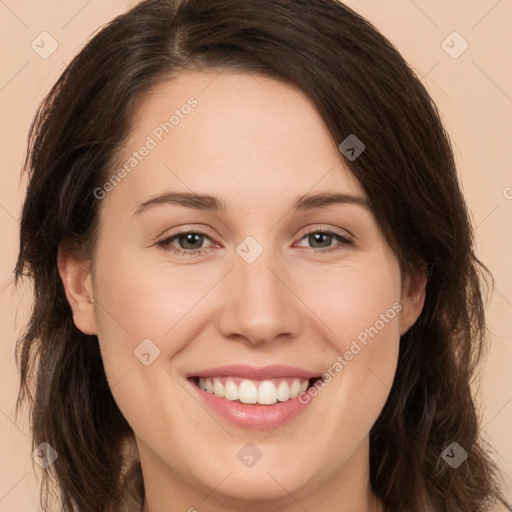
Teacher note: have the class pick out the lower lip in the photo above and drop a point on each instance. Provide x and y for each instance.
(260, 417)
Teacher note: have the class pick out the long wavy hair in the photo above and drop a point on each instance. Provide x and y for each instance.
(360, 85)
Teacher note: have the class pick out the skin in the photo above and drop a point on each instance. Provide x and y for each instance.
(258, 144)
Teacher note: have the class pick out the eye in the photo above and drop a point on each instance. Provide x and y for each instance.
(322, 240)
(189, 243)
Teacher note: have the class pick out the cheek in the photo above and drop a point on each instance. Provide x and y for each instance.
(360, 304)
(359, 301)
(145, 317)
(150, 301)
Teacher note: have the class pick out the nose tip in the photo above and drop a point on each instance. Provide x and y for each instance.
(259, 307)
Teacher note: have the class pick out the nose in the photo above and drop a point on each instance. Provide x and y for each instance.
(259, 306)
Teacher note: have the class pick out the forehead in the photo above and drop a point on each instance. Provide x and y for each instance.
(225, 132)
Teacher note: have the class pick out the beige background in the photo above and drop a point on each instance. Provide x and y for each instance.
(474, 95)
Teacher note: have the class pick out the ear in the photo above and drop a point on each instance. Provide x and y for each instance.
(75, 274)
(412, 300)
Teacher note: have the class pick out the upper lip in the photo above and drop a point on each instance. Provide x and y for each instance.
(254, 373)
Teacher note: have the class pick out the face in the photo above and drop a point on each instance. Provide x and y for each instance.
(237, 263)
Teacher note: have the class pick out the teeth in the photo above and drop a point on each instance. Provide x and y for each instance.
(218, 388)
(231, 390)
(248, 392)
(283, 391)
(294, 389)
(267, 393)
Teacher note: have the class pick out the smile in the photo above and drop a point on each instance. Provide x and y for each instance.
(246, 391)
(257, 398)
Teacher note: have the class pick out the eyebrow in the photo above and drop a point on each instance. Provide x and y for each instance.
(216, 204)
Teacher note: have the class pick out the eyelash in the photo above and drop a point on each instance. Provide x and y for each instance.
(165, 244)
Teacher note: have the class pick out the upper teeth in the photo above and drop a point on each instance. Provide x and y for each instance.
(251, 392)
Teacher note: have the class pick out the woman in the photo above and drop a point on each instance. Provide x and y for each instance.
(255, 283)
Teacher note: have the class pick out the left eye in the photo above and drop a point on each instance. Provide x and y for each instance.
(316, 239)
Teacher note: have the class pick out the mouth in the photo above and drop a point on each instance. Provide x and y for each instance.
(258, 398)
(249, 391)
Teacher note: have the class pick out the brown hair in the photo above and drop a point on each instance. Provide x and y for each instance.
(360, 85)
